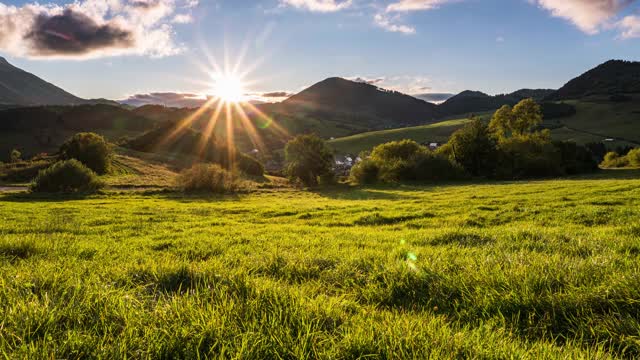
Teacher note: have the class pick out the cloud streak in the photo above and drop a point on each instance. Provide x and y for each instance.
(416, 5)
(324, 6)
(92, 28)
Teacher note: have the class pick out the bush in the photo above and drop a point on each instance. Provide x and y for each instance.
(308, 157)
(66, 176)
(249, 165)
(528, 157)
(615, 160)
(365, 172)
(90, 149)
(406, 160)
(634, 157)
(208, 178)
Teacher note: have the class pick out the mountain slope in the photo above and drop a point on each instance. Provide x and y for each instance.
(376, 107)
(468, 102)
(611, 78)
(18, 87)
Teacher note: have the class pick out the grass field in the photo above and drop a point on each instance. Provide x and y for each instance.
(594, 121)
(438, 132)
(544, 269)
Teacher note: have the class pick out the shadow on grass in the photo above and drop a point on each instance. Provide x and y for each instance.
(46, 197)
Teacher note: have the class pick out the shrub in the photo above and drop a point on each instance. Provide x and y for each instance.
(307, 158)
(406, 160)
(633, 157)
(90, 149)
(208, 178)
(249, 165)
(365, 172)
(528, 157)
(614, 160)
(66, 176)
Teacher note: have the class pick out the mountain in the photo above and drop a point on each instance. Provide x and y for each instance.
(468, 102)
(20, 88)
(375, 107)
(614, 77)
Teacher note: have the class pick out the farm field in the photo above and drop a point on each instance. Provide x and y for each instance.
(540, 269)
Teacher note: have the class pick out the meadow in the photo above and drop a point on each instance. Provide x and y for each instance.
(595, 120)
(539, 269)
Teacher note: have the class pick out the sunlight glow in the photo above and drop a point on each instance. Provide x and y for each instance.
(228, 116)
(229, 88)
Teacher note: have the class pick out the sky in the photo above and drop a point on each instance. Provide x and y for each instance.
(120, 48)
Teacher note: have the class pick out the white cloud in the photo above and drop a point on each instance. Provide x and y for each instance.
(388, 24)
(182, 19)
(590, 16)
(415, 5)
(630, 27)
(91, 28)
(318, 5)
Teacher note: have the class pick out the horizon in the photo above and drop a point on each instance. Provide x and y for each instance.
(173, 46)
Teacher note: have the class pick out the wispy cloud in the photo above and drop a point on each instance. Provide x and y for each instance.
(590, 16)
(416, 5)
(318, 5)
(92, 28)
(387, 23)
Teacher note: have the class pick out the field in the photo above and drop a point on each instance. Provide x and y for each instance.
(438, 132)
(542, 269)
(594, 121)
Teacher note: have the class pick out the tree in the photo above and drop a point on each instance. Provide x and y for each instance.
(473, 148)
(15, 156)
(520, 120)
(89, 148)
(307, 158)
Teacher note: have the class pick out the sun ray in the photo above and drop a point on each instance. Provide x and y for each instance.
(231, 146)
(254, 137)
(210, 129)
(183, 124)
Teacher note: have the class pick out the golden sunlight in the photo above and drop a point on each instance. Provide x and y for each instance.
(229, 88)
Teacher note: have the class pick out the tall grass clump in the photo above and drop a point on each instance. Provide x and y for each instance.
(208, 178)
(67, 176)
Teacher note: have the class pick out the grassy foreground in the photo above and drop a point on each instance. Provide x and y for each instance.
(546, 269)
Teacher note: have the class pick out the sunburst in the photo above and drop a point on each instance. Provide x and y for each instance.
(228, 102)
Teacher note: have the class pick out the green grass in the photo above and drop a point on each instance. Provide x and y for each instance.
(597, 120)
(542, 269)
(594, 121)
(438, 132)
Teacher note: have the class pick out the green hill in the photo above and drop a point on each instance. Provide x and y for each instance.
(33, 130)
(616, 124)
(438, 132)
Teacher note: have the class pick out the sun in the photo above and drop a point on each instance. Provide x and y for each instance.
(229, 88)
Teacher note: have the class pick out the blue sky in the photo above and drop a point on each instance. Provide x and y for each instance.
(415, 46)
